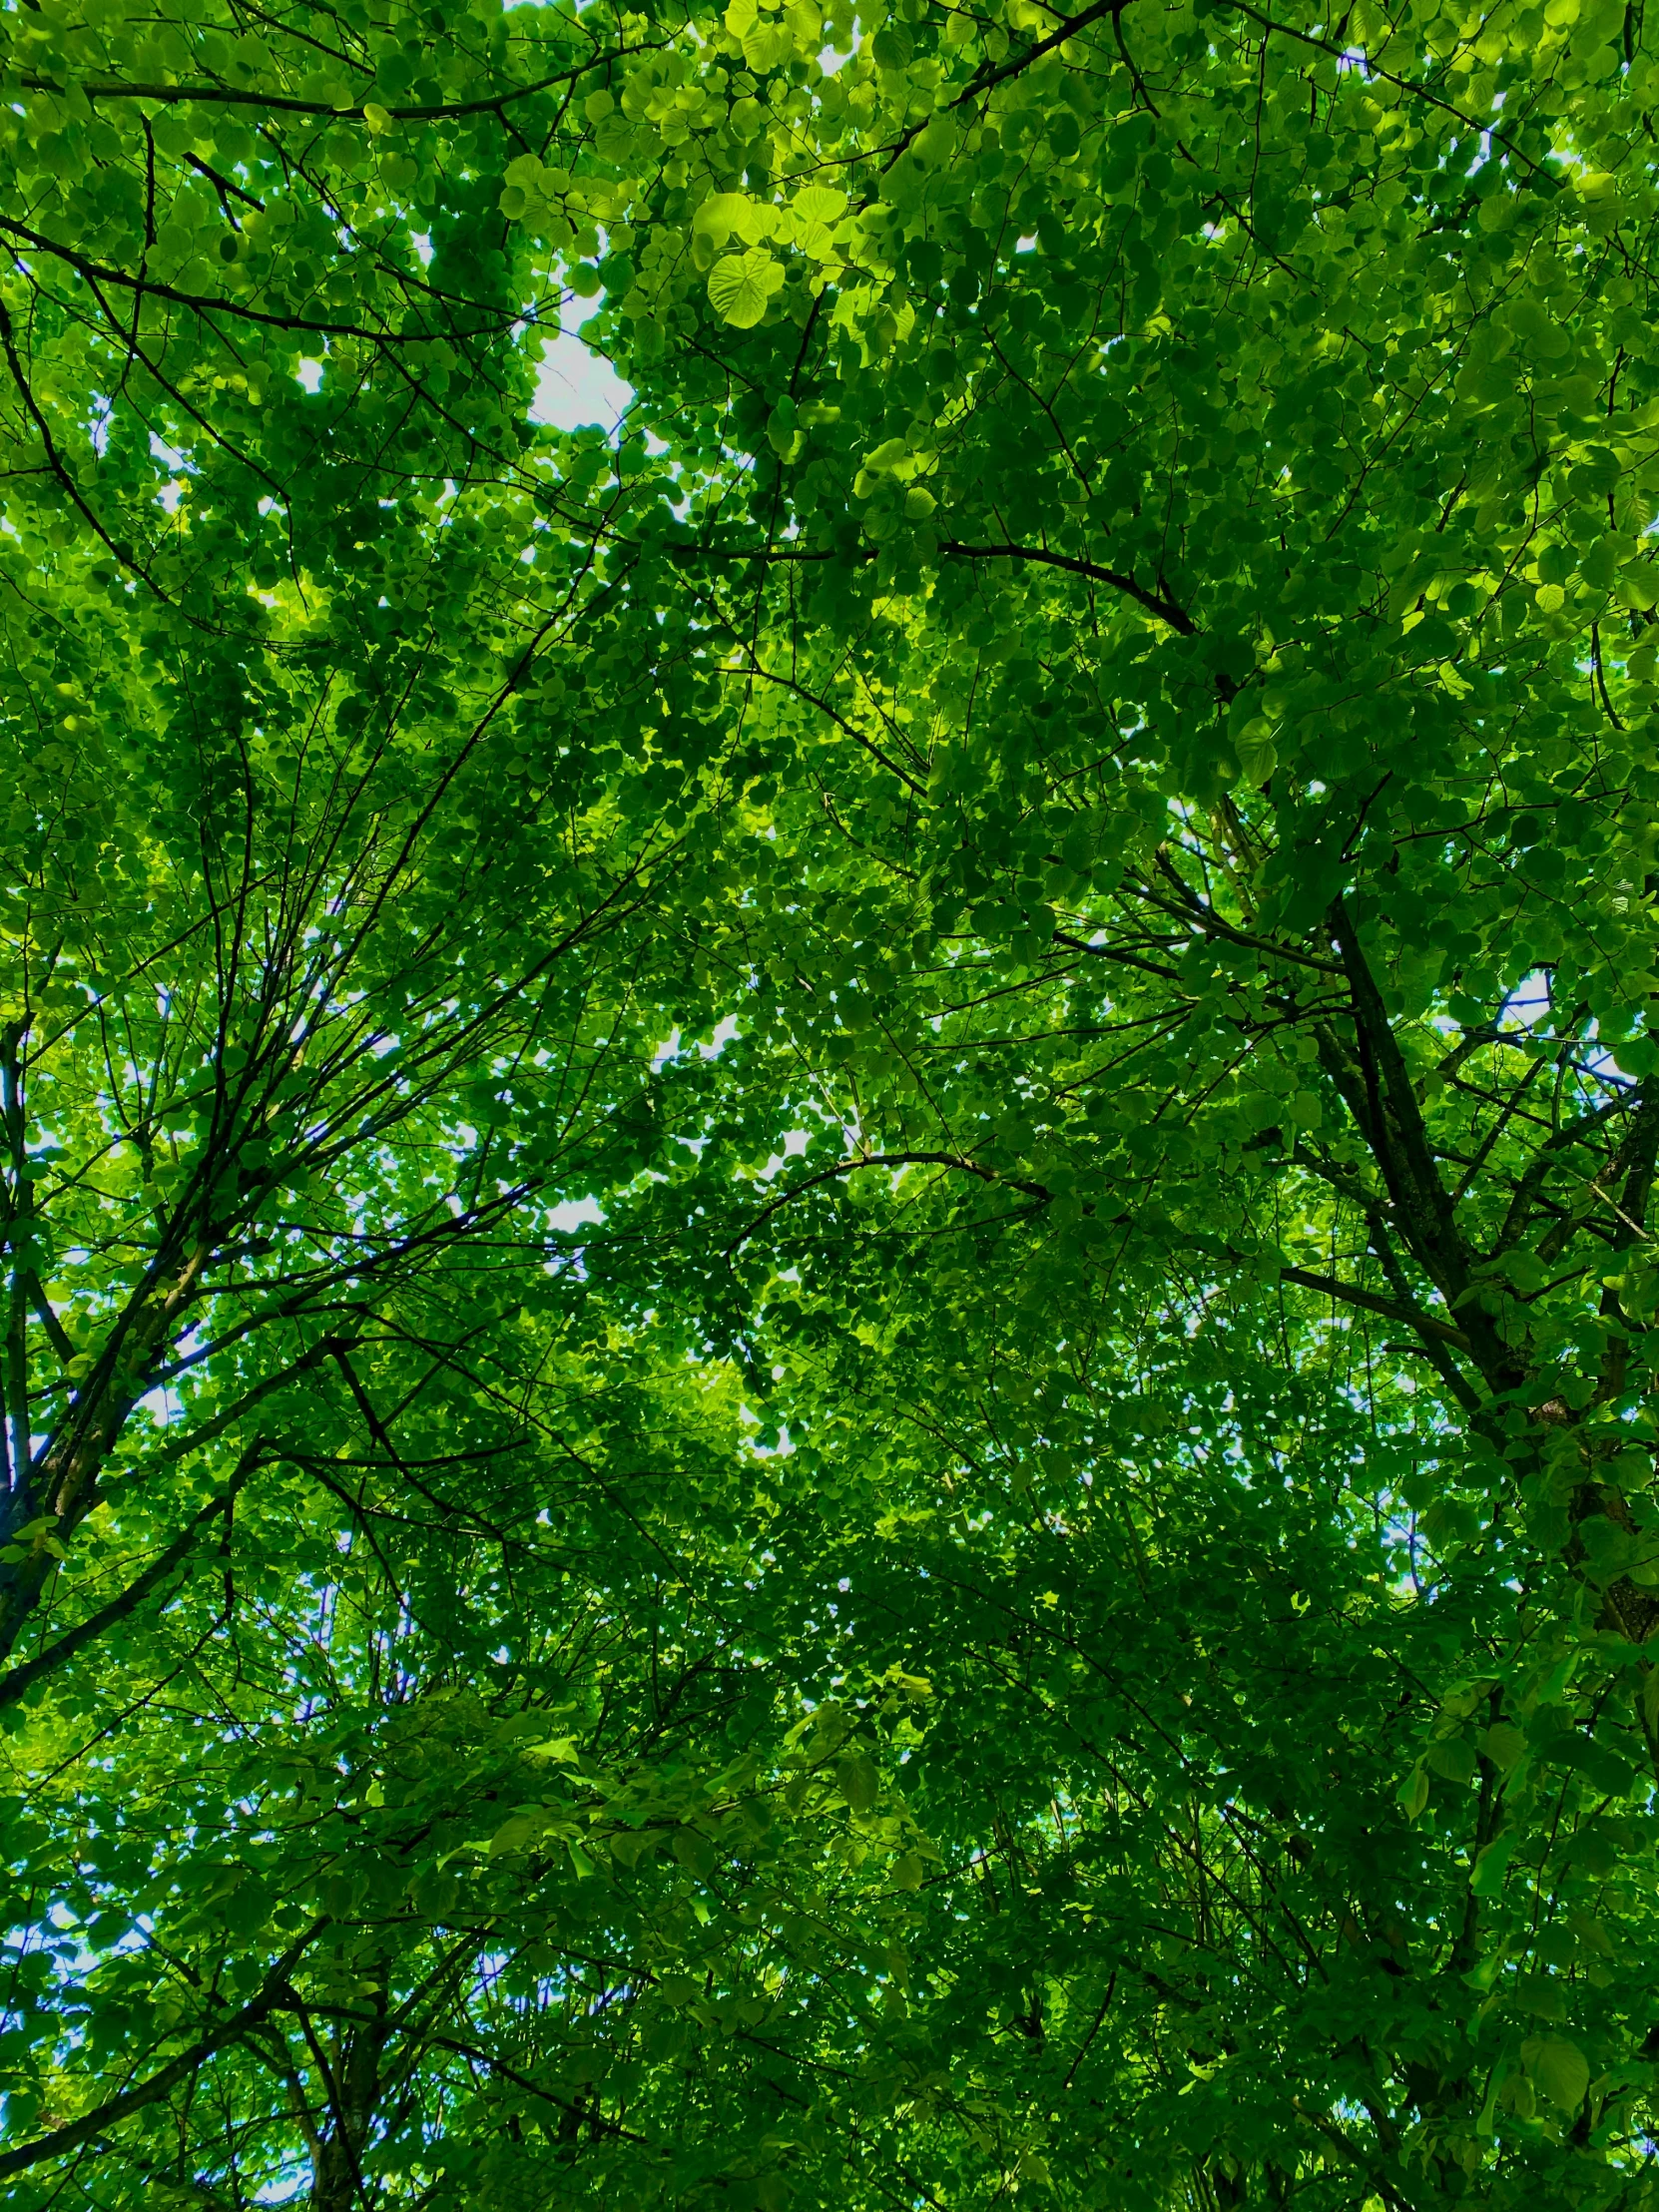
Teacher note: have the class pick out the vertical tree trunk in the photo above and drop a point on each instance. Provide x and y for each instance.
(351, 2087)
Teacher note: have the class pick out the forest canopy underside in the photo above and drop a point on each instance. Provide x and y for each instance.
(830, 1307)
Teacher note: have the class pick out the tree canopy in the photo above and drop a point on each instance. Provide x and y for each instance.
(829, 1309)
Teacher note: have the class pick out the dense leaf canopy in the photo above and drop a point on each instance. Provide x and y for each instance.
(828, 1328)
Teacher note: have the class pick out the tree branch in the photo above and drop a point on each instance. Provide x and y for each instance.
(18, 1681)
(93, 2124)
(205, 304)
(1393, 1128)
(880, 1160)
(284, 104)
(1154, 602)
(986, 78)
(1332, 1287)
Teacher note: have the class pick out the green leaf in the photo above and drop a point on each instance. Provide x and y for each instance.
(1257, 755)
(768, 42)
(740, 285)
(819, 204)
(892, 45)
(1487, 1878)
(855, 1778)
(1559, 2068)
(693, 1852)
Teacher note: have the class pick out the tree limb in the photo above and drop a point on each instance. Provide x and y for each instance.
(18, 1681)
(91, 2126)
(880, 1160)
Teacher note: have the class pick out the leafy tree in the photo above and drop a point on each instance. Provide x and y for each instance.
(1054, 1595)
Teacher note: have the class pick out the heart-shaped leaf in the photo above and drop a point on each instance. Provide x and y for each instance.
(741, 284)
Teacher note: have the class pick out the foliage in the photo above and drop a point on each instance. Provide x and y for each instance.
(830, 1313)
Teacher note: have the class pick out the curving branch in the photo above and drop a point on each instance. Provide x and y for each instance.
(114, 88)
(1155, 603)
(208, 303)
(1332, 1286)
(881, 1160)
(20, 1680)
(55, 460)
(986, 78)
(96, 2124)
